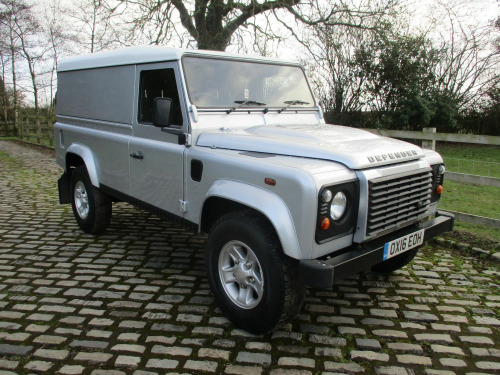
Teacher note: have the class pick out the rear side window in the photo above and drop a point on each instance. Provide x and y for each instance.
(159, 83)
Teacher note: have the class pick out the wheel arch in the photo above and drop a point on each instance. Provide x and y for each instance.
(77, 155)
(227, 196)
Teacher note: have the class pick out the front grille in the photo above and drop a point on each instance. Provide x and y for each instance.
(397, 201)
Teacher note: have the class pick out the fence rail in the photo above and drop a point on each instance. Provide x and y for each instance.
(472, 179)
(473, 219)
(442, 137)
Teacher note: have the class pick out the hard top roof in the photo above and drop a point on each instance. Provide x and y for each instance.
(144, 55)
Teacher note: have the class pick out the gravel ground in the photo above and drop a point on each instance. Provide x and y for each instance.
(136, 301)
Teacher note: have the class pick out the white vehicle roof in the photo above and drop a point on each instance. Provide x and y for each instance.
(147, 54)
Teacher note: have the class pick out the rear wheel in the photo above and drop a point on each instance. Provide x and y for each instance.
(395, 263)
(91, 207)
(254, 284)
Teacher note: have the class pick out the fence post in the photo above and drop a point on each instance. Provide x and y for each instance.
(50, 130)
(20, 127)
(38, 130)
(429, 144)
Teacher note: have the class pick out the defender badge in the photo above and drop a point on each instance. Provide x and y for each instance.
(392, 156)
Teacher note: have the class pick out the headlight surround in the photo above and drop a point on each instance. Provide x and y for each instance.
(438, 171)
(338, 204)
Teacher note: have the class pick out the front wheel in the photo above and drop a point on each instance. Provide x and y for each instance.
(254, 284)
(91, 207)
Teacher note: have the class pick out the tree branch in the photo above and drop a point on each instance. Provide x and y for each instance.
(186, 19)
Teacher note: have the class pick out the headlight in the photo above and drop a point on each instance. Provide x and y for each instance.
(326, 196)
(339, 205)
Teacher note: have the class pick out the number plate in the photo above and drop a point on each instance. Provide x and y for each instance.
(402, 244)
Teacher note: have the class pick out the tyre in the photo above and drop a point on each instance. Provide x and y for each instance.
(253, 282)
(395, 263)
(91, 207)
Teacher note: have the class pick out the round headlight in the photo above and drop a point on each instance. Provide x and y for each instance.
(326, 196)
(339, 205)
(441, 169)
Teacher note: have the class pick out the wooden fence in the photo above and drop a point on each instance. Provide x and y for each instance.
(7, 129)
(429, 137)
(40, 130)
(36, 129)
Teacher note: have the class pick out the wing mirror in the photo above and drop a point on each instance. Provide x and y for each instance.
(162, 112)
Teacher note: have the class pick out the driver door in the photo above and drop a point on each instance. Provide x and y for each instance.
(156, 158)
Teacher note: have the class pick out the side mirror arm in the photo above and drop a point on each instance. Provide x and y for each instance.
(183, 138)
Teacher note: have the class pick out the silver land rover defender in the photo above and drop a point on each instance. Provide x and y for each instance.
(236, 146)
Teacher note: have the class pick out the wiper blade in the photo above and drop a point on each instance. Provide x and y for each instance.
(248, 102)
(245, 102)
(290, 103)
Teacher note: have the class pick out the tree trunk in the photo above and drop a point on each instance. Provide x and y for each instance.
(14, 83)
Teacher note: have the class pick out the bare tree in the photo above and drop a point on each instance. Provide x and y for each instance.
(468, 61)
(93, 25)
(4, 97)
(331, 48)
(211, 24)
(57, 40)
(10, 11)
(28, 31)
(21, 36)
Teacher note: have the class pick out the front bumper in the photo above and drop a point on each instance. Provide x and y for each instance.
(317, 273)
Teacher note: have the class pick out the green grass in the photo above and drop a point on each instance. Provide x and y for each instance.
(471, 199)
(478, 200)
(469, 151)
(480, 160)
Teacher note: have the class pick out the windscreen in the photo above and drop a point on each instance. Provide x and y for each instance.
(229, 83)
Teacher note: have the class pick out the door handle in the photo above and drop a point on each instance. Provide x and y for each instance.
(137, 155)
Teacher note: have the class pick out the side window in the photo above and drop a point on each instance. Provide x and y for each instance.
(154, 84)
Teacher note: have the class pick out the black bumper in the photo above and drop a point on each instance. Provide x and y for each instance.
(316, 273)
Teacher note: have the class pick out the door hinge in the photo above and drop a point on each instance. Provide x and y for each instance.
(182, 206)
(188, 140)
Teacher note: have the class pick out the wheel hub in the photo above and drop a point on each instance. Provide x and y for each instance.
(81, 200)
(244, 274)
(241, 274)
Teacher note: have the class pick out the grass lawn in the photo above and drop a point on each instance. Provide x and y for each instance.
(468, 198)
(475, 200)
(472, 199)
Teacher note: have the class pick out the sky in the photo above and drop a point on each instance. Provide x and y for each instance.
(422, 13)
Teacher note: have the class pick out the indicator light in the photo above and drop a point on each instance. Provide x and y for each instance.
(270, 181)
(325, 223)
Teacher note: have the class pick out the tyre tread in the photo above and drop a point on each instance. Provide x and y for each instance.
(291, 291)
(100, 215)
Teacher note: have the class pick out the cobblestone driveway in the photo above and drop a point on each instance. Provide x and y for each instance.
(136, 301)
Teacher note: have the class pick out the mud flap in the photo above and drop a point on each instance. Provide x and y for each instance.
(64, 189)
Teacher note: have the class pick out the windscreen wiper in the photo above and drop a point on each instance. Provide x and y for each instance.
(245, 102)
(292, 102)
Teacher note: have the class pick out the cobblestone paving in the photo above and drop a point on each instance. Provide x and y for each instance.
(136, 301)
